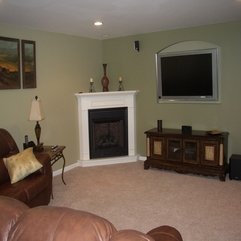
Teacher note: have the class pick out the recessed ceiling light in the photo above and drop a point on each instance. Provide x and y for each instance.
(98, 23)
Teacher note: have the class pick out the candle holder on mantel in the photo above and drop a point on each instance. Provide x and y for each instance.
(121, 87)
(105, 80)
(92, 88)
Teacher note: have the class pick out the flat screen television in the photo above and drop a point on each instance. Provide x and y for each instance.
(187, 76)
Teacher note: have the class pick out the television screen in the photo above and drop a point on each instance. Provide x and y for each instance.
(189, 75)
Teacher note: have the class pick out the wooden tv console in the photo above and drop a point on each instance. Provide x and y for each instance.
(199, 152)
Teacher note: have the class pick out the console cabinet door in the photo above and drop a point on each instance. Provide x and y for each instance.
(157, 147)
(199, 152)
(191, 151)
(210, 153)
(174, 149)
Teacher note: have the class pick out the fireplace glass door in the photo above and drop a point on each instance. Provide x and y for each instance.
(108, 132)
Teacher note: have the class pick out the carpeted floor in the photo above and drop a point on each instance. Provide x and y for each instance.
(201, 208)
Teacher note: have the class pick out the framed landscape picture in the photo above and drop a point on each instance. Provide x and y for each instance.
(9, 63)
(28, 64)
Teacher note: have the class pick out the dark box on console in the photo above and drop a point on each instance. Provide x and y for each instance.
(186, 130)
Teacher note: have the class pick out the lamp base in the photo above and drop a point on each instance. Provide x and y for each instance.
(39, 148)
(37, 132)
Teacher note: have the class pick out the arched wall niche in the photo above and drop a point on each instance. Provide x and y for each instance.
(189, 45)
(184, 47)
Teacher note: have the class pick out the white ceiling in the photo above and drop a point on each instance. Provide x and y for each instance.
(119, 17)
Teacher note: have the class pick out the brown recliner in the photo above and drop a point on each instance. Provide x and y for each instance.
(45, 223)
(35, 189)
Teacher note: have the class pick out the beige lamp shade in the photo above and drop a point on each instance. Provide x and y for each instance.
(36, 111)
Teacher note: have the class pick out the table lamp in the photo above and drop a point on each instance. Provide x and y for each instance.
(36, 114)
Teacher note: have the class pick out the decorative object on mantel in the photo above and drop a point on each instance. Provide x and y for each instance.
(36, 114)
(92, 88)
(121, 87)
(105, 80)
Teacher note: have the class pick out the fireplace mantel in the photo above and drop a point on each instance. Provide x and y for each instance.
(97, 100)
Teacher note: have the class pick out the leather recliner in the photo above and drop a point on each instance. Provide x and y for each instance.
(46, 223)
(33, 190)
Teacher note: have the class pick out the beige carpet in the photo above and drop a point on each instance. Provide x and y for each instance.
(201, 208)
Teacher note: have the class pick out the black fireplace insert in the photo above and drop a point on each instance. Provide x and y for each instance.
(108, 132)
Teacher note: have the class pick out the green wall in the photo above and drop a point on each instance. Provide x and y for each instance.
(64, 67)
(66, 63)
(138, 71)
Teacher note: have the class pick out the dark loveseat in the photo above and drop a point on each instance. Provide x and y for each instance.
(33, 190)
(45, 223)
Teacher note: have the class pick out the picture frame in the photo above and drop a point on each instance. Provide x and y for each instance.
(9, 63)
(28, 64)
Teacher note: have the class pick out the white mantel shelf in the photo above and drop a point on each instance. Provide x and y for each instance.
(98, 100)
(108, 93)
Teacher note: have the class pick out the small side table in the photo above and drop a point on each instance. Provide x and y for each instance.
(56, 153)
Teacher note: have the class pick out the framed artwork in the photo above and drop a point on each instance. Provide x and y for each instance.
(9, 63)
(28, 64)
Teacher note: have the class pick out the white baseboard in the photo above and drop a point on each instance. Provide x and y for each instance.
(108, 161)
(100, 162)
(142, 158)
(67, 168)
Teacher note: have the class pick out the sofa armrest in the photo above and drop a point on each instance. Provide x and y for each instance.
(165, 233)
(11, 210)
(130, 235)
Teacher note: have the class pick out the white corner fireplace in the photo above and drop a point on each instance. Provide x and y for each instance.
(107, 127)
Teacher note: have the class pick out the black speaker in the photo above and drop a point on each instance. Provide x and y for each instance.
(137, 45)
(235, 167)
